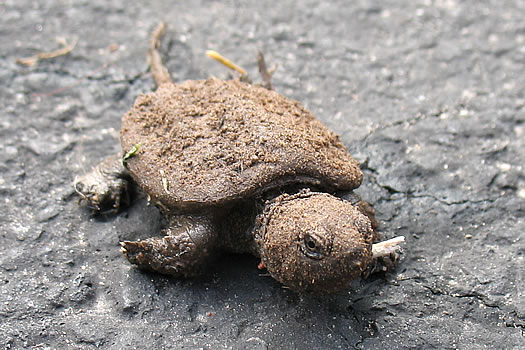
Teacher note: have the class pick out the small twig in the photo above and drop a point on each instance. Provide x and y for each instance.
(220, 58)
(387, 247)
(31, 61)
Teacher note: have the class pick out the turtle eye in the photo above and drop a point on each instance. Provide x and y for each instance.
(310, 243)
(311, 247)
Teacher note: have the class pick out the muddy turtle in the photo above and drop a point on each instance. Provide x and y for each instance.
(238, 167)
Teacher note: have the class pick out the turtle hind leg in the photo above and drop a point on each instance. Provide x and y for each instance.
(104, 186)
(186, 247)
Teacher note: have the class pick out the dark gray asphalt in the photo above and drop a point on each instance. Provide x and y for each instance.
(428, 95)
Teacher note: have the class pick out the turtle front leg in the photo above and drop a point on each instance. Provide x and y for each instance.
(187, 245)
(104, 186)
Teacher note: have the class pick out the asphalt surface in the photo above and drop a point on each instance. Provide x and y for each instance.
(428, 95)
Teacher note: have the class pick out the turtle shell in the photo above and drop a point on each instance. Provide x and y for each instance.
(211, 142)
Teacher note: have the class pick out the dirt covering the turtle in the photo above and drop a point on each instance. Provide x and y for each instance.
(211, 141)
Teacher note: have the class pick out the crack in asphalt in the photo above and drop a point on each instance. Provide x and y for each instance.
(409, 195)
(90, 76)
(515, 324)
(478, 296)
(459, 202)
(409, 121)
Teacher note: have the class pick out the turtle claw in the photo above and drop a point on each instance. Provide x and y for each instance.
(134, 251)
(382, 265)
(123, 247)
(149, 254)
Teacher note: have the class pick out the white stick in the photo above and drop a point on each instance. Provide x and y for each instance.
(387, 247)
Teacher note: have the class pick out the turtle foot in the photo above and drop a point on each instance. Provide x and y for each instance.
(106, 186)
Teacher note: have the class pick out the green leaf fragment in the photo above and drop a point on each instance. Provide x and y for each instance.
(130, 154)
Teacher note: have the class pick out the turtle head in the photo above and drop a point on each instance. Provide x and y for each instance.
(315, 242)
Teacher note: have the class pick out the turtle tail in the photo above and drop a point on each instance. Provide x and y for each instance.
(158, 69)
